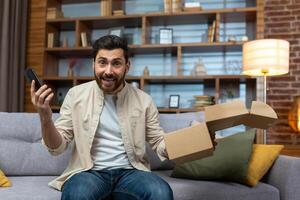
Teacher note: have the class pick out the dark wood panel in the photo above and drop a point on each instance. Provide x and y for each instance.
(35, 43)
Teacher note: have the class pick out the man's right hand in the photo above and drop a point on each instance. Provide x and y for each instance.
(41, 100)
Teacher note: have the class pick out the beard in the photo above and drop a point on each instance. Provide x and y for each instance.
(109, 84)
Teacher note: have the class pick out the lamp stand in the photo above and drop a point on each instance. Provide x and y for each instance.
(265, 101)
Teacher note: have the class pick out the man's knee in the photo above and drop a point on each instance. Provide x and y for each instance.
(162, 191)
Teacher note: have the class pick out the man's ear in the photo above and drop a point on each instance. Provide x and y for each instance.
(127, 66)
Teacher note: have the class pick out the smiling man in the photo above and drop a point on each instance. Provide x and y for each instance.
(110, 122)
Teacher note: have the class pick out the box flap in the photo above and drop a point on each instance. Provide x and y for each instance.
(261, 115)
(221, 116)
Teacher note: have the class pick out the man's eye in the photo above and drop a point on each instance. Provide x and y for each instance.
(101, 62)
(117, 64)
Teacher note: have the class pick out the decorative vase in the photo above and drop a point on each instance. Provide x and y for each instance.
(70, 72)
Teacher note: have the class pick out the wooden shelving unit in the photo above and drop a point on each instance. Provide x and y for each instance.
(146, 24)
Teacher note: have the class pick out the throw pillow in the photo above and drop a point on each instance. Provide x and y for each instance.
(229, 161)
(4, 182)
(260, 162)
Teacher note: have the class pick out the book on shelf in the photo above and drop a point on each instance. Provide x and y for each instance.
(211, 32)
(105, 7)
(84, 39)
(51, 40)
(54, 13)
(190, 6)
(168, 6)
(176, 6)
(203, 100)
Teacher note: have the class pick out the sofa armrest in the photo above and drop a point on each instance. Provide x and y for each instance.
(285, 175)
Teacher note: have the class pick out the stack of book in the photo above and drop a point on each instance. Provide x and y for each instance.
(203, 100)
(211, 32)
(192, 6)
(53, 13)
(118, 12)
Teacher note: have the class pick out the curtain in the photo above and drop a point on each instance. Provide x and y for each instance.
(13, 31)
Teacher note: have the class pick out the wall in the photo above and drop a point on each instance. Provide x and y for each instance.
(282, 20)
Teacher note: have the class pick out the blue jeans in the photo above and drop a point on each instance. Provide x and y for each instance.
(120, 184)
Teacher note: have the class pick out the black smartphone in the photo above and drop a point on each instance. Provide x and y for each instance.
(31, 75)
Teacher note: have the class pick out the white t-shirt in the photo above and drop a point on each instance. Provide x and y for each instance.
(108, 150)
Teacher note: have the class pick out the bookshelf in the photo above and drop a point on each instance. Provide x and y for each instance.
(170, 65)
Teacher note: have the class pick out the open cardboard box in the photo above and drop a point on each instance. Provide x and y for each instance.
(194, 142)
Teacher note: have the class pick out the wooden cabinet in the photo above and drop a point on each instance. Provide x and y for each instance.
(171, 66)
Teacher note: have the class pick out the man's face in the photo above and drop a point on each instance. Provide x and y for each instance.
(110, 69)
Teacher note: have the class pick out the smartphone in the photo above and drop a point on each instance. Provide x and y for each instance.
(31, 75)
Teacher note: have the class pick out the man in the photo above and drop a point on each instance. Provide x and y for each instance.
(109, 121)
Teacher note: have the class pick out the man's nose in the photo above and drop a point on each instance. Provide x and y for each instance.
(108, 69)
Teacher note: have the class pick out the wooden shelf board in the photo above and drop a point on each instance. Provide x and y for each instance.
(157, 18)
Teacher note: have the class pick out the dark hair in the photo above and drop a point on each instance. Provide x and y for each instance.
(110, 42)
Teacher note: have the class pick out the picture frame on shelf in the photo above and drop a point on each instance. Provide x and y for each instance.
(165, 35)
(118, 31)
(174, 101)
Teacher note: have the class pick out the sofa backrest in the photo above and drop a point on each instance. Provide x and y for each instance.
(22, 153)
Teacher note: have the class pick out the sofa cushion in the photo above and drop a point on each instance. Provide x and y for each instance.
(262, 158)
(229, 161)
(185, 189)
(4, 182)
(171, 122)
(30, 188)
(21, 150)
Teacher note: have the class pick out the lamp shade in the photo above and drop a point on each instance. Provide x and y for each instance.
(266, 57)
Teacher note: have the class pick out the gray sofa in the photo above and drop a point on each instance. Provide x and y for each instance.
(30, 167)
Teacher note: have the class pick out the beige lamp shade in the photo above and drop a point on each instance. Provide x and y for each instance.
(266, 57)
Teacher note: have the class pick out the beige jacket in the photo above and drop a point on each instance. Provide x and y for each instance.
(79, 118)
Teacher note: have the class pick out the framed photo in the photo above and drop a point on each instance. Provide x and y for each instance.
(174, 101)
(118, 31)
(165, 36)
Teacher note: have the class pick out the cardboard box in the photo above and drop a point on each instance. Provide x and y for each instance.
(194, 142)
(235, 113)
(189, 143)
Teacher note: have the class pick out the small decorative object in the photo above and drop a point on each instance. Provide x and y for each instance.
(294, 115)
(199, 68)
(174, 101)
(146, 71)
(231, 38)
(72, 63)
(165, 36)
(244, 38)
(118, 31)
(135, 84)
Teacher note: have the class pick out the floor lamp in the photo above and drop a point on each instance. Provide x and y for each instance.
(266, 57)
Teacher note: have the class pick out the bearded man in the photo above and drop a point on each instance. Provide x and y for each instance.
(110, 122)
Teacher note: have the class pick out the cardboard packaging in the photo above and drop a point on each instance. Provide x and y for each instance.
(194, 142)
(189, 143)
(235, 113)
